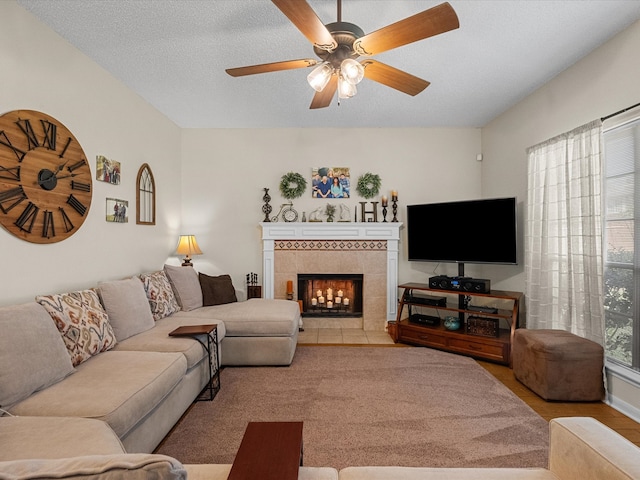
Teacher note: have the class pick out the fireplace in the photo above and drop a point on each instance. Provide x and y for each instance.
(330, 294)
(369, 249)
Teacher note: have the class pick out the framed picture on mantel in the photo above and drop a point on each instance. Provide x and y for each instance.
(331, 182)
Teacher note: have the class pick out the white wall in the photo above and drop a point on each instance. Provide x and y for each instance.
(225, 171)
(602, 83)
(41, 71)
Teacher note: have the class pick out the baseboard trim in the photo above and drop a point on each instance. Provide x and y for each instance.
(629, 377)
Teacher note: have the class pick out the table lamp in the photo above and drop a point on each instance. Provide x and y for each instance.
(188, 246)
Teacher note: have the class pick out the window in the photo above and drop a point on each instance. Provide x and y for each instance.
(622, 234)
(146, 197)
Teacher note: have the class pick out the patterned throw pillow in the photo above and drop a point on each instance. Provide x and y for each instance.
(82, 322)
(160, 294)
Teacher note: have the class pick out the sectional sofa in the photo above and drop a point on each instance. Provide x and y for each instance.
(579, 448)
(91, 382)
(105, 353)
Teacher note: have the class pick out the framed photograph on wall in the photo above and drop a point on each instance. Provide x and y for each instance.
(107, 170)
(331, 182)
(117, 210)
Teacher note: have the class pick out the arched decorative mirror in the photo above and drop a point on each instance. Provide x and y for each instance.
(145, 197)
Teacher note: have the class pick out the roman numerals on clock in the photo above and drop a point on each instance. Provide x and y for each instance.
(10, 198)
(45, 178)
(77, 205)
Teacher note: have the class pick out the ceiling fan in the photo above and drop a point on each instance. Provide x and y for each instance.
(339, 44)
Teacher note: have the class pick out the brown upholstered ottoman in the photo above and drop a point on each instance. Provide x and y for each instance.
(558, 365)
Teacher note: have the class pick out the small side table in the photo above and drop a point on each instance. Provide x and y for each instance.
(211, 332)
(254, 291)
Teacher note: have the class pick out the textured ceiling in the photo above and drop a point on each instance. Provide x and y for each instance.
(173, 53)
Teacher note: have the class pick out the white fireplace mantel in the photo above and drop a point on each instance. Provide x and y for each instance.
(388, 231)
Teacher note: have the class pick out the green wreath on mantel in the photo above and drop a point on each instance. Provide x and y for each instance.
(292, 185)
(368, 185)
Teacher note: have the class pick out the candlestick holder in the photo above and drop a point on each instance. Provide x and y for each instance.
(384, 213)
(266, 208)
(365, 213)
(394, 208)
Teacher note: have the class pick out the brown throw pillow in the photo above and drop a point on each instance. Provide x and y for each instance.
(217, 290)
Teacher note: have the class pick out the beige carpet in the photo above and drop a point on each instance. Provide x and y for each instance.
(370, 406)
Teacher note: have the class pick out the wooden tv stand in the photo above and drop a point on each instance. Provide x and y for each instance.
(494, 348)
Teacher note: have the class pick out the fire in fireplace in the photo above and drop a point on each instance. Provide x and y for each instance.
(330, 294)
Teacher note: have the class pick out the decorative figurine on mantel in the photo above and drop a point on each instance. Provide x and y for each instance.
(315, 215)
(345, 214)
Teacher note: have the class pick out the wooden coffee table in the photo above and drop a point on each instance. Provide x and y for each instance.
(269, 451)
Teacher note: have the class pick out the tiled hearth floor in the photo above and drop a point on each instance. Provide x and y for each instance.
(351, 336)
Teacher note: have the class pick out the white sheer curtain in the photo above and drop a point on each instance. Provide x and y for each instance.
(563, 234)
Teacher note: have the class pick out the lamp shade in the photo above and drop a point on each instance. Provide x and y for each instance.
(346, 89)
(352, 71)
(187, 245)
(320, 76)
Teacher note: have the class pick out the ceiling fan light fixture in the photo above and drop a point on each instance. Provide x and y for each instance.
(345, 88)
(320, 76)
(352, 71)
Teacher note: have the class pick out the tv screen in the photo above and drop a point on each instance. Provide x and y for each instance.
(471, 231)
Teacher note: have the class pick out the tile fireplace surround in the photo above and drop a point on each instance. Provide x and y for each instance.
(370, 249)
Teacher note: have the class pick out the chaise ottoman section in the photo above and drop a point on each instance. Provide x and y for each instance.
(258, 331)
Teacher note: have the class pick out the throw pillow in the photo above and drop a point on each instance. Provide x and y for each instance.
(127, 307)
(32, 354)
(159, 294)
(217, 290)
(82, 322)
(186, 286)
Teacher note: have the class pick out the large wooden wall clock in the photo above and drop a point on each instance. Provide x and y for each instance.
(45, 179)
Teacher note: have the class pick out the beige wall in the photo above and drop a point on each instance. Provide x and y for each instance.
(602, 83)
(225, 170)
(41, 71)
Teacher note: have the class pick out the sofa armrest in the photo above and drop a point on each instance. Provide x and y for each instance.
(582, 448)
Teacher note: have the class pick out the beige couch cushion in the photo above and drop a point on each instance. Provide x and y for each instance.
(127, 306)
(132, 466)
(82, 322)
(120, 388)
(257, 317)
(186, 286)
(158, 340)
(55, 437)
(32, 353)
(420, 473)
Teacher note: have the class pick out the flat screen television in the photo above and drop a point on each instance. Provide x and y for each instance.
(470, 231)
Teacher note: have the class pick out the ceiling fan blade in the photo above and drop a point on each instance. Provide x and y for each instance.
(394, 78)
(323, 99)
(271, 67)
(306, 20)
(433, 21)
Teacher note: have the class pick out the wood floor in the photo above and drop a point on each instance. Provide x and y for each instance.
(548, 410)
